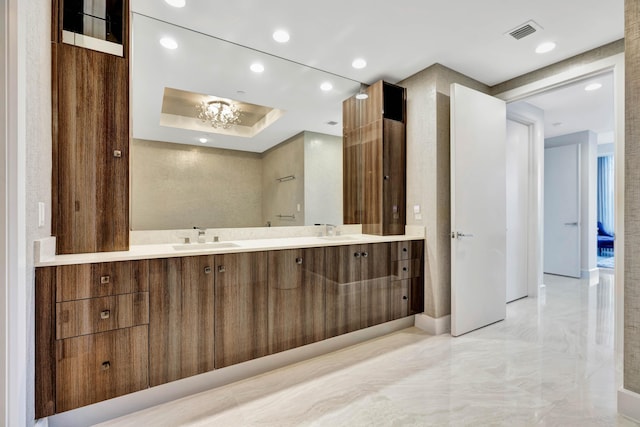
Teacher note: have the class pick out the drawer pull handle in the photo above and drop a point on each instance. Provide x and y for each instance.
(365, 254)
(106, 365)
(105, 314)
(299, 261)
(221, 269)
(105, 280)
(207, 270)
(404, 297)
(404, 269)
(356, 254)
(405, 250)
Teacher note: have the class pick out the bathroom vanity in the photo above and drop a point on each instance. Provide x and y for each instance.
(159, 313)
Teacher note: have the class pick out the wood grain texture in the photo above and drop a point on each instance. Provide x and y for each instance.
(45, 366)
(394, 187)
(181, 340)
(296, 298)
(406, 269)
(241, 308)
(351, 178)
(372, 177)
(399, 299)
(376, 284)
(343, 289)
(80, 281)
(92, 368)
(88, 316)
(92, 112)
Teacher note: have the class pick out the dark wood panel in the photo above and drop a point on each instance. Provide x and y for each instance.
(92, 120)
(92, 368)
(406, 269)
(241, 308)
(45, 368)
(80, 281)
(181, 341)
(399, 299)
(343, 289)
(376, 283)
(93, 315)
(416, 295)
(407, 249)
(296, 298)
(351, 178)
(372, 177)
(394, 193)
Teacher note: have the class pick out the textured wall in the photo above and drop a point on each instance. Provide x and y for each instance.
(428, 175)
(177, 186)
(632, 199)
(282, 198)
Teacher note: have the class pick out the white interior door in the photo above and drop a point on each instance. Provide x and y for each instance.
(562, 210)
(517, 149)
(478, 210)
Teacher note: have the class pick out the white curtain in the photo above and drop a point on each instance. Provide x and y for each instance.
(605, 192)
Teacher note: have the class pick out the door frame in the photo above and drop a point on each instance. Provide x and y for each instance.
(613, 64)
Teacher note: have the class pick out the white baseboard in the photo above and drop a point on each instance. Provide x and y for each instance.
(593, 275)
(629, 404)
(119, 406)
(433, 326)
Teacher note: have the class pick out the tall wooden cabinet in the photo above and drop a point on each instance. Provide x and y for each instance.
(90, 177)
(374, 160)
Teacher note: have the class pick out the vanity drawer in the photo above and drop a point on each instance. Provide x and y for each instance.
(408, 249)
(406, 269)
(101, 366)
(81, 281)
(88, 316)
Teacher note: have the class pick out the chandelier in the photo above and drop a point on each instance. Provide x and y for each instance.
(220, 114)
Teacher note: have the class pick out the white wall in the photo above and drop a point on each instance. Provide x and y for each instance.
(588, 142)
(322, 179)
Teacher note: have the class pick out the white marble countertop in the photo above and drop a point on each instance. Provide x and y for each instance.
(168, 250)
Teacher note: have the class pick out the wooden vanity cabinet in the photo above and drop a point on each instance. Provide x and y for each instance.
(374, 160)
(407, 278)
(296, 298)
(358, 283)
(241, 308)
(181, 329)
(91, 333)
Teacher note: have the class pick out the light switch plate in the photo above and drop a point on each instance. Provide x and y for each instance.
(416, 209)
(41, 214)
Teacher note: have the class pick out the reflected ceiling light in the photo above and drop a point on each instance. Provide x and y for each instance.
(545, 47)
(257, 67)
(281, 36)
(326, 86)
(169, 43)
(362, 93)
(176, 3)
(203, 140)
(593, 86)
(359, 63)
(218, 113)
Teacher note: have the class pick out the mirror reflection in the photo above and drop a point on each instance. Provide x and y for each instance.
(280, 165)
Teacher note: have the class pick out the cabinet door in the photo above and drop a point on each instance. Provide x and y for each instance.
(296, 298)
(343, 289)
(96, 367)
(394, 198)
(372, 177)
(241, 305)
(376, 283)
(181, 318)
(399, 299)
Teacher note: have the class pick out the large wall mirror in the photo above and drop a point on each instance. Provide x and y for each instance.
(280, 165)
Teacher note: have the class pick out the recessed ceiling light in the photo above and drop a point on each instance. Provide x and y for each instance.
(169, 43)
(545, 47)
(359, 63)
(326, 86)
(281, 36)
(257, 67)
(203, 140)
(176, 3)
(362, 95)
(593, 86)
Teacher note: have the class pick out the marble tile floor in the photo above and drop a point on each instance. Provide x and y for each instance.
(550, 363)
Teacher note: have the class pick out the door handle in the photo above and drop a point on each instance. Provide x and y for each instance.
(458, 235)
(575, 224)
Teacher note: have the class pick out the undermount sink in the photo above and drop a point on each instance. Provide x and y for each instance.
(204, 246)
(339, 238)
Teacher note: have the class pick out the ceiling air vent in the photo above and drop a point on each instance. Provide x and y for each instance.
(332, 123)
(524, 30)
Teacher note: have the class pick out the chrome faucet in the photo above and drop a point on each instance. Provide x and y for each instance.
(330, 229)
(201, 237)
